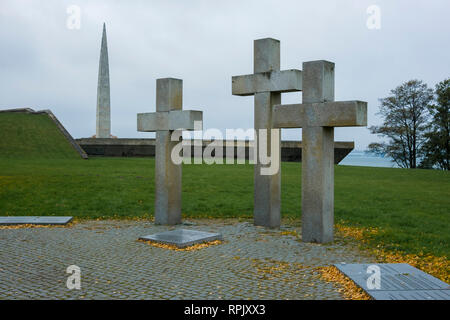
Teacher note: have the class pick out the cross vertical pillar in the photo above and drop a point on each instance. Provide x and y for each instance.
(266, 84)
(318, 157)
(168, 122)
(169, 94)
(266, 187)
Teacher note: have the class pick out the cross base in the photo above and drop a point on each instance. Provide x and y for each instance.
(182, 238)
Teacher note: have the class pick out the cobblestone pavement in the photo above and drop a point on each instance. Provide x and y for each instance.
(252, 263)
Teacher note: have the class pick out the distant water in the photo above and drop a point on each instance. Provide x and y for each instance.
(361, 158)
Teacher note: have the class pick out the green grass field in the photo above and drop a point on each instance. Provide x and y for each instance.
(410, 207)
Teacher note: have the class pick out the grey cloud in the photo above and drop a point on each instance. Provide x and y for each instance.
(45, 65)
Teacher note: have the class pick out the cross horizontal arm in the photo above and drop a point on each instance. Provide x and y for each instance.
(170, 120)
(273, 81)
(327, 114)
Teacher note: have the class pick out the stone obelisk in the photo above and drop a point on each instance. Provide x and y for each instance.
(103, 98)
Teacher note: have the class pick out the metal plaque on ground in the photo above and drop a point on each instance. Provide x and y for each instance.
(182, 238)
(8, 221)
(397, 281)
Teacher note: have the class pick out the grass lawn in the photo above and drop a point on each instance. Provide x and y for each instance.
(411, 208)
(32, 135)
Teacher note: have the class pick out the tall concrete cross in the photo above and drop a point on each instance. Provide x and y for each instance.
(266, 84)
(168, 118)
(103, 125)
(317, 116)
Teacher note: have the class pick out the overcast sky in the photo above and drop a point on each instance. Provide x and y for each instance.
(46, 65)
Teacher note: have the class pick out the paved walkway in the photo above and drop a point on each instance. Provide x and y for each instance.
(252, 263)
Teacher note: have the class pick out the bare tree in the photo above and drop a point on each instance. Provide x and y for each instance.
(406, 116)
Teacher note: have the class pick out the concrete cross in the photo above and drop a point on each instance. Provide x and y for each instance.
(266, 84)
(317, 116)
(167, 118)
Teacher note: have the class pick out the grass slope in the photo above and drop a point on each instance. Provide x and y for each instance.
(32, 136)
(410, 207)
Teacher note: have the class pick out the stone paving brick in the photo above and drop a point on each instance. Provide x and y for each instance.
(252, 263)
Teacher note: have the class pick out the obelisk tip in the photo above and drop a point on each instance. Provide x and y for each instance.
(103, 128)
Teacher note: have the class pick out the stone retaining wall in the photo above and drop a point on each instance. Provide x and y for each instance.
(291, 151)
